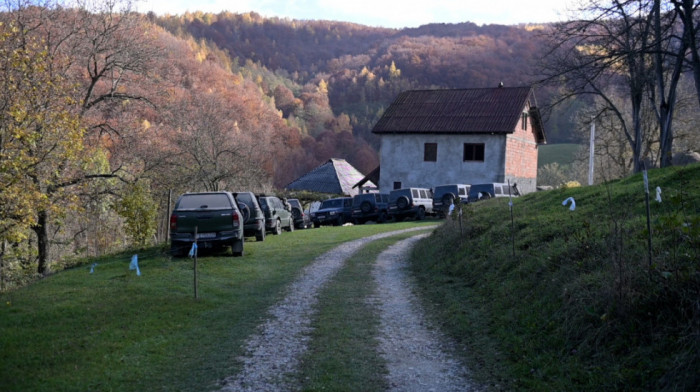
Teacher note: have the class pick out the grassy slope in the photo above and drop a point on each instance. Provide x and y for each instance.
(578, 307)
(112, 330)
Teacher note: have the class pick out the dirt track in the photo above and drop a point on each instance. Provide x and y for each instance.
(412, 349)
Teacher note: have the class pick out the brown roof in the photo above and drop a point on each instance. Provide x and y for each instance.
(476, 110)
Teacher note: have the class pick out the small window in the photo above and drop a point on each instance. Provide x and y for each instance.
(474, 152)
(416, 195)
(524, 121)
(397, 185)
(497, 190)
(462, 191)
(430, 152)
(423, 195)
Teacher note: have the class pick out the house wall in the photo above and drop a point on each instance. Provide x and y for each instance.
(401, 160)
(521, 158)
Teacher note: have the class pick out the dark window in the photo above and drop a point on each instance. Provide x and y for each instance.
(430, 152)
(397, 185)
(524, 121)
(474, 152)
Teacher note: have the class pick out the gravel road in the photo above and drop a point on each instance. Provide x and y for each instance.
(416, 353)
(273, 353)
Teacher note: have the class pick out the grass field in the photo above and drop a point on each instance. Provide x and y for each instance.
(546, 299)
(563, 154)
(113, 330)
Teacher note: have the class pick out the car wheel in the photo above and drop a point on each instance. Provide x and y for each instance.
(291, 224)
(420, 214)
(402, 202)
(177, 250)
(278, 227)
(237, 248)
(260, 235)
(366, 207)
(245, 211)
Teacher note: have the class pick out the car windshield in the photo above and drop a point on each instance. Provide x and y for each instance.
(204, 202)
(332, 203)
(294, 203)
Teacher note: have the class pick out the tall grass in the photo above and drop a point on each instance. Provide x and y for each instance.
(580, 306)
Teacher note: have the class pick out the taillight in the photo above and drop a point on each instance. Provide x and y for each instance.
(236, 220)
(173, 222)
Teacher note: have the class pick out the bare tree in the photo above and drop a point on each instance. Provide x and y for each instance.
(604, 55)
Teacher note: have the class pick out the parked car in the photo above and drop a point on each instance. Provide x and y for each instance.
(370, 207)
(410, 202)
(333, 212)
(446, 195)
(213, 216)
(486, 191)
(278, 216)
(253, 215)
(302, 220)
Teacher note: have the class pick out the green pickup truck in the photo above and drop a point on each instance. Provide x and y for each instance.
(214, 216)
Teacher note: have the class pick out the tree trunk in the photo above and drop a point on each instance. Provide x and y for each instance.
(42, 235)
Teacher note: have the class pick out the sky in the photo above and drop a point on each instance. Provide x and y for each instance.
(378, 13)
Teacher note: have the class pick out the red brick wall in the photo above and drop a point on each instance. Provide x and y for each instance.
(521, 152)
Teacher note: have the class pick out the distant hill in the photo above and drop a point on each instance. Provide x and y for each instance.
(366, 67)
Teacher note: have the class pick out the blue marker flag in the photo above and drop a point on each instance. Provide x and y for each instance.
(135, 264)
(193, 251)
(573, 203)
(92, 267)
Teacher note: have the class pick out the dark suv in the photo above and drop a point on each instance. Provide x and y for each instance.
(446, 195)
(212, 219)
(278, 216)
(370, 207)
(333, 212)
(496, 189)
(253, 215)
(410, 202)
(302, 220)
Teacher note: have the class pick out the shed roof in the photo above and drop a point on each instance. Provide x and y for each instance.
(475, 110)
(336, 176)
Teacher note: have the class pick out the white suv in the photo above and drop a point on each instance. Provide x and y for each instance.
(410, 202)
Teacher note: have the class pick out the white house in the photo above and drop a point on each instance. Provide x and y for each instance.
(461, 136)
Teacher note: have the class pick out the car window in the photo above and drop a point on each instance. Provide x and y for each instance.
(423, 194)
(208, 202)
(244, 198)
(332, 203)
(462, 191)
(263, 202)
(497, 190)
(415, 193)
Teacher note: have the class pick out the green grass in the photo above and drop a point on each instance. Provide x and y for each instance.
(343, 353)
(112, 330)
(563, 154)
(578, 308)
